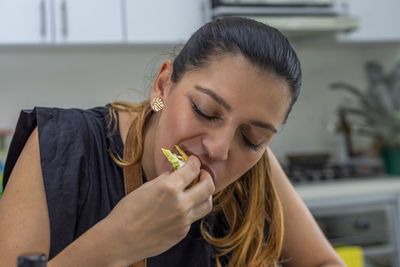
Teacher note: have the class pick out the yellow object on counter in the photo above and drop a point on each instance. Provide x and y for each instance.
(353, 256)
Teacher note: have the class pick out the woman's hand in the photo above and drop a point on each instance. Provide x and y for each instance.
(158, 214)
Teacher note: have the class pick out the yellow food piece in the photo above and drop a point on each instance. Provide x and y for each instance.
(175, 160)
(183, 154)
(178, 161)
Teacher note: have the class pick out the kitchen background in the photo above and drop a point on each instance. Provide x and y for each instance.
(88, 76)
(52, 69)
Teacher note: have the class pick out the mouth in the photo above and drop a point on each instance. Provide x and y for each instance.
(203, 165)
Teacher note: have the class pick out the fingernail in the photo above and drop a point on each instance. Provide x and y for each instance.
(194, 161)
(191, 158)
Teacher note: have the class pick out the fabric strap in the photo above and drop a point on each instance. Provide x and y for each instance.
(132, 181)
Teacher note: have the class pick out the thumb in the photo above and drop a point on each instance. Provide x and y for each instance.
(184, 176)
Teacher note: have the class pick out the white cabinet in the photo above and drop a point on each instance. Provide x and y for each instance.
(25, 21)
(379, 21)
(60, 21)
(87, 21)
(160, 21)
(100, 21)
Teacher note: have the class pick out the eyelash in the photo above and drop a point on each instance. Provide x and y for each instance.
(213, 118)
(250, 144)
(202, 114)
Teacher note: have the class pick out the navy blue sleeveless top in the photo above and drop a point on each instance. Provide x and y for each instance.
(83, 183)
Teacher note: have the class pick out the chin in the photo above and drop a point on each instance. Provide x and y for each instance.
(218, 188)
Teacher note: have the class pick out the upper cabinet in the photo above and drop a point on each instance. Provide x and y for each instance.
(87, 21)
(161, 21)
(60, 21)
(99, 21)
(379, 21)
(152, 22)
(25, 21)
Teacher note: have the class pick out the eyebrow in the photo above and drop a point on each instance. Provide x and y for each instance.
(214, 96)
(261, 124)
(223, 103)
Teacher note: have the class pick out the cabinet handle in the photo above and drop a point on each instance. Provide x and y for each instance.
(64, 18)
(43, 29)
(361, 224)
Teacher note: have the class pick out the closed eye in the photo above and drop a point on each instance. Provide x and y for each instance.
(202, 114)
(252, 146)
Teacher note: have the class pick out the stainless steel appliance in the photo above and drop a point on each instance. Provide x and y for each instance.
(369, 225)
(277, 2)
(359, 213)
(293, 17)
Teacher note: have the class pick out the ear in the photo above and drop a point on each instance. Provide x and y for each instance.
(162, 84)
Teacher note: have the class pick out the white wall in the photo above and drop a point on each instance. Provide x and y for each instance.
(90, 76)
(324, 62)
(70, 76)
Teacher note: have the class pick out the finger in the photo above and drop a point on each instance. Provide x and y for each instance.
(202, 190)
(201, 209)
(183, 176)
(155, 180)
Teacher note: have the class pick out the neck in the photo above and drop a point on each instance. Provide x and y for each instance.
(148, 147)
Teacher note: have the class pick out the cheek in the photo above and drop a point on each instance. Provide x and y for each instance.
(180, 122)
(237, 166)
(175, 114)
(175, 125)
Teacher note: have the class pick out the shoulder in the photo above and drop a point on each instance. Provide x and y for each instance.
(74, 118)
(72, 123)
(284, 187)
(50, 128)
(66, 129)
(60, 122)
(57, 130)
(302, 237)
(276, 169)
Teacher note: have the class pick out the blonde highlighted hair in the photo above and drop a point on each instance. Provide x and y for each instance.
(250, 206)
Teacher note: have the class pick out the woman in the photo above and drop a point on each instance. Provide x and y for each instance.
(222, 99)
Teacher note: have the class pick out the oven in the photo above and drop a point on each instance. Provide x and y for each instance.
(370, 222)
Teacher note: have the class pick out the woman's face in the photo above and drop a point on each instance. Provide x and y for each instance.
(225, 113)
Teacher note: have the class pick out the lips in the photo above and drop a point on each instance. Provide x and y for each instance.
(203, 165)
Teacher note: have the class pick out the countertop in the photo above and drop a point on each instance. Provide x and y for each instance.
(349, 188)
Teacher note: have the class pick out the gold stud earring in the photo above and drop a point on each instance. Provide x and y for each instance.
(157, 104)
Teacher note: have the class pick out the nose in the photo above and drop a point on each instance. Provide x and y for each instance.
(218, 143)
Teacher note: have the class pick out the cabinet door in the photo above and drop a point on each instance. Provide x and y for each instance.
(89, 21)
(161, 21)
(379, 21)
(24, 21)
